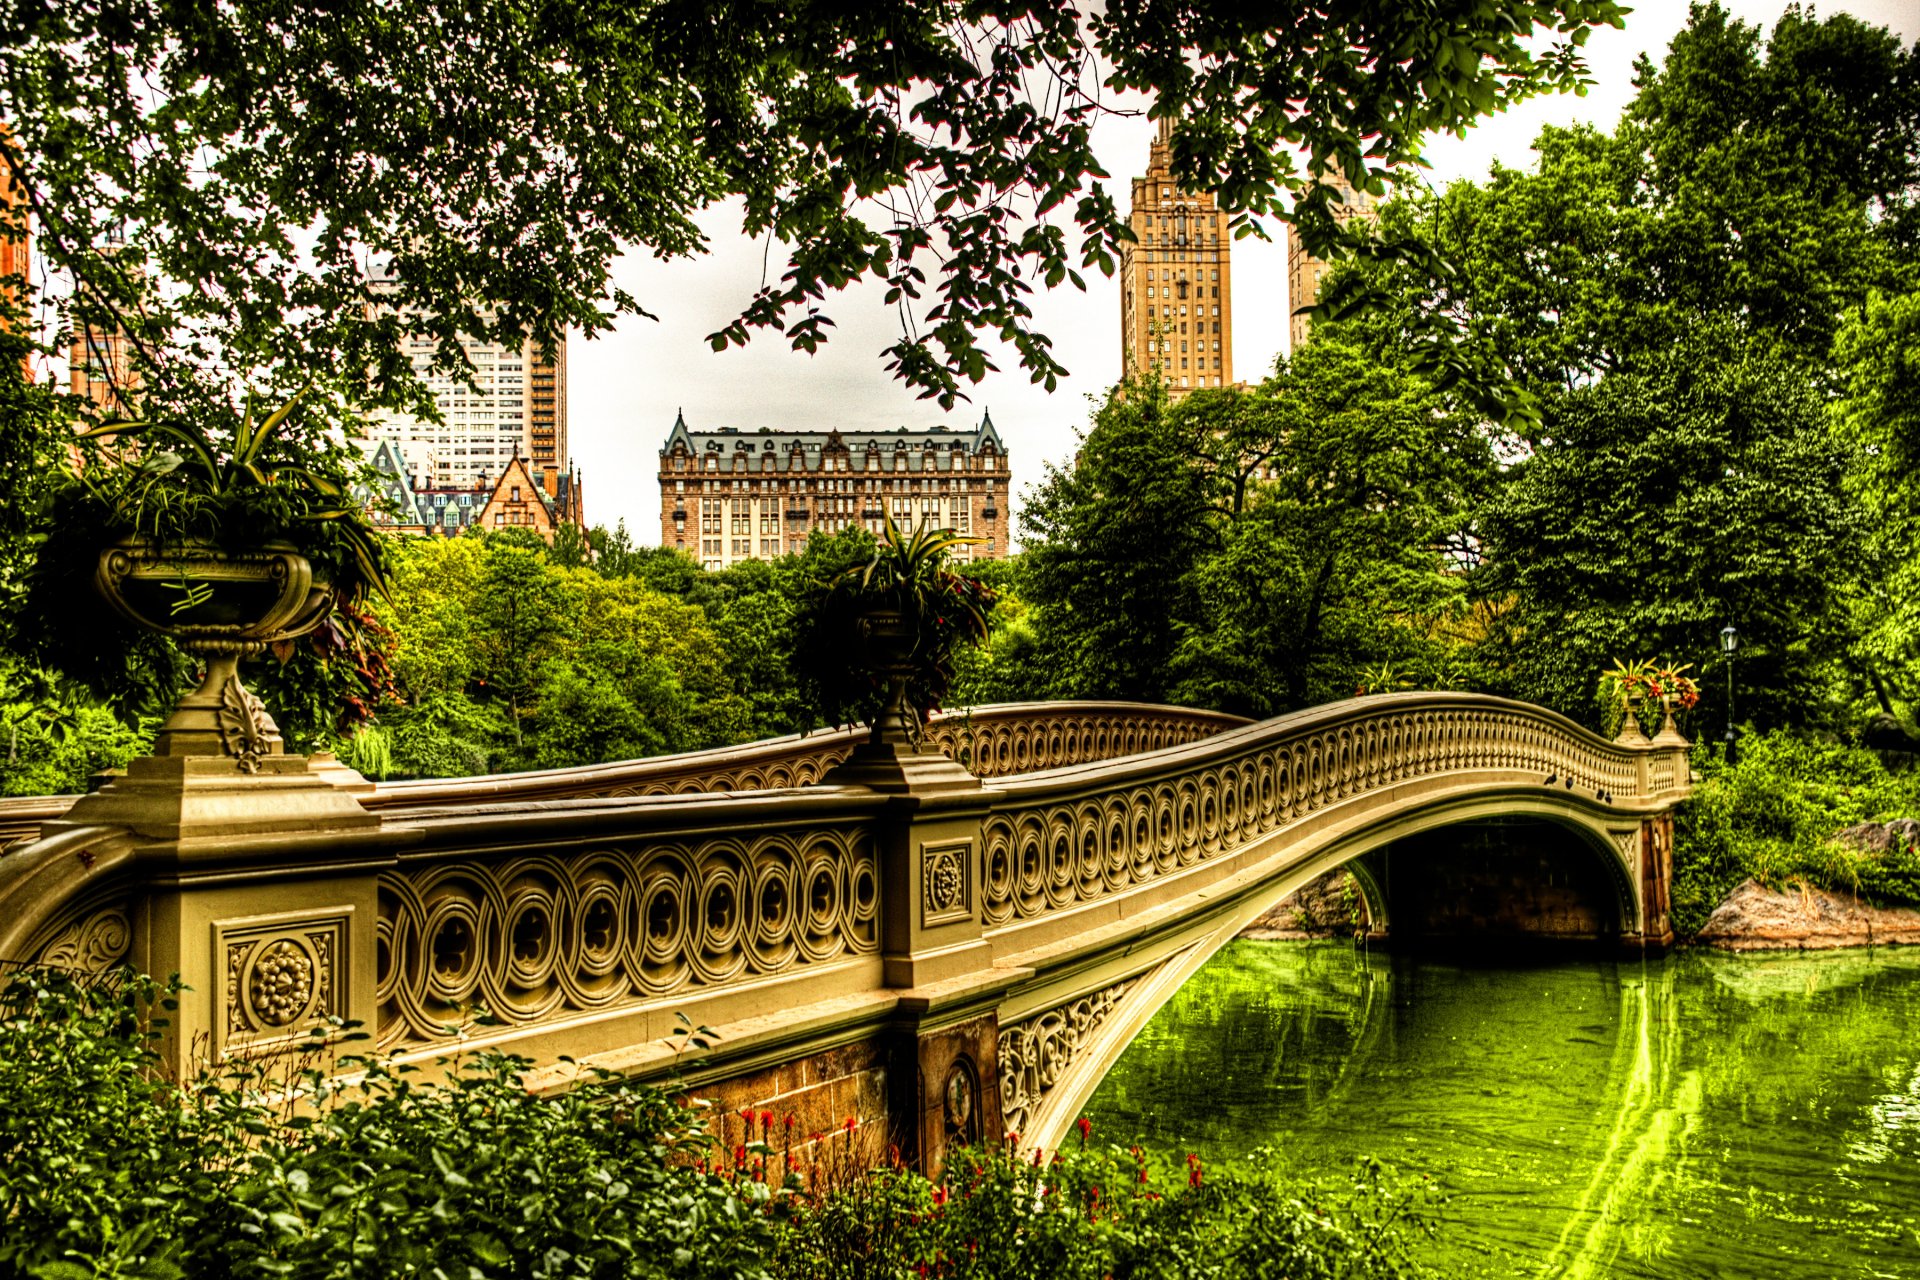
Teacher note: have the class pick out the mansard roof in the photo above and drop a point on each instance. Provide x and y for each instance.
(811, 445)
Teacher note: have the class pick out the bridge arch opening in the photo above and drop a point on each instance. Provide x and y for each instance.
(1498, 883)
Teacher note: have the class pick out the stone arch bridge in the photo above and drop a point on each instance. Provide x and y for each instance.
(937, 953)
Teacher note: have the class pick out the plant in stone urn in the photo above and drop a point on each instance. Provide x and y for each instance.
(228, 533)
(877, 641)
(1644, 695)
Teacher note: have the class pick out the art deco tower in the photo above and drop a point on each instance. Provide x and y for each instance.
(1304, 271)
(1176, 282)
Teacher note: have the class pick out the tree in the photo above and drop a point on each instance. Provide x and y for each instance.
(1669, 503)
(1879, 355)
(521, 615)
(1112, 543)
(1254, 551)
(1342, 548)
(1766, 187)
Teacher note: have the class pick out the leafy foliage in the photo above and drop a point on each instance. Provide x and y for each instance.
(1093, 1212)
(905, 574)
(215, 183)
(1770, 817)
(1255, 552)
(111, 1171)
(1665, 506)
(106, 1169)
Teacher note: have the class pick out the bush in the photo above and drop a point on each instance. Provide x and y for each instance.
(107, 1169)
(1772, 816)
(1105, 1214)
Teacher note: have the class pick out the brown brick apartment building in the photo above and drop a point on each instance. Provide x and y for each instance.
(728, 495)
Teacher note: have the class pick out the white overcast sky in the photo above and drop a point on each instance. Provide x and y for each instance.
(626, 386)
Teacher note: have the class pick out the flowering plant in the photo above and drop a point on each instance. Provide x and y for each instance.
(1645, 690)
(1630, 683)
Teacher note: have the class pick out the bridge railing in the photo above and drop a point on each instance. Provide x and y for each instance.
(797, 918)
(992, 741)
(1067, 837)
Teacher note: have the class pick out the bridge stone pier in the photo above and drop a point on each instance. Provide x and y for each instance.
(942, 956)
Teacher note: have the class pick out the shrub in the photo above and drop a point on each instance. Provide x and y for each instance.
(1094, 1213)
(1772, 816)
(107, 1169)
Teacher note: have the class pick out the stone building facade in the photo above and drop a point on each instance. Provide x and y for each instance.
(525, 495)
(1305, 272)
(729, 495)
(1176, 282)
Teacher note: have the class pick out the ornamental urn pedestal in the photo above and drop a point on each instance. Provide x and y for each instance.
(218, 764)
(896, 757)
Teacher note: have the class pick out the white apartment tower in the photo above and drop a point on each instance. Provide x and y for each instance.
(516, 408)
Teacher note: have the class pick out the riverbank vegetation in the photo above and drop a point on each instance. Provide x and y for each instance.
(1772, 817)
(107, 1169)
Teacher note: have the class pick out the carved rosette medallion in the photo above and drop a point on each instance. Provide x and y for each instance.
(280, 986)
(944, 894)
(1036, 1053)
(282, 976)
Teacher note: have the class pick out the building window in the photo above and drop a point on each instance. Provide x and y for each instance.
(499, 517)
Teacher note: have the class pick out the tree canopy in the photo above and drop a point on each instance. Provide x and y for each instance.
(257, 188)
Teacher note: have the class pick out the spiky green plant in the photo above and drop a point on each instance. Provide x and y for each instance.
(908, 574)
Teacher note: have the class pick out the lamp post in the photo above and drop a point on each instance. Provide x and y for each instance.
(1729, 641)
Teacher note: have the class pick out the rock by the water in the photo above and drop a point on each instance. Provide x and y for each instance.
(1754, 918)
(1328, 907)
(1878, 837)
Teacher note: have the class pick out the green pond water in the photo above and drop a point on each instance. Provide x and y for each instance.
(1701, 1115)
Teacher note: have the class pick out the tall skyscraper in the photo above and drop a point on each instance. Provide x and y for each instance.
(1176, 281)
(517, 408)
(547, 408)
(1304, 271)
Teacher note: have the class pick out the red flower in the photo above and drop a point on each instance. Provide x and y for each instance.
(851, 1122)
(939, 1195)
(1085, 1126)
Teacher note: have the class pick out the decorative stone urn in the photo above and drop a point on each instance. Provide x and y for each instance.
(888, 641)
(222, 605)
(895, 757)
(219, 771)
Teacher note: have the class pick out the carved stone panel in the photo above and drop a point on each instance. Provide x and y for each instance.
(1036, 1053)
(946, 882)
(280, 976)
(91, 939)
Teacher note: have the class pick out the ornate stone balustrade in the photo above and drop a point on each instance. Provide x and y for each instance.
(588, 911)
(1069, 836)
(992, 741)
(974, 943)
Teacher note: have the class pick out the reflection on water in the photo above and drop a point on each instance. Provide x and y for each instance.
(1698, 1116)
